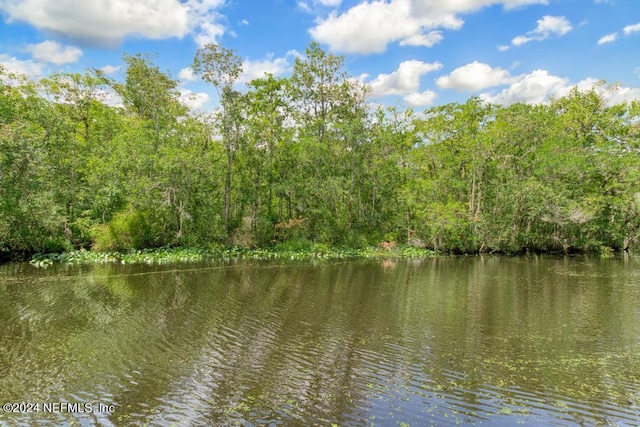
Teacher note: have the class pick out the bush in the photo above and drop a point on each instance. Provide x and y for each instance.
(130, 229)
(295, 245)
(54, 244)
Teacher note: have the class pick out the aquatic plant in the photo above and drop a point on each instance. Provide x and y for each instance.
(175, 255)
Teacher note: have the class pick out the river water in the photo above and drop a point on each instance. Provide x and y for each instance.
(481, 340)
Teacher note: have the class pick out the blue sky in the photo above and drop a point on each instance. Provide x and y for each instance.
(416, 53)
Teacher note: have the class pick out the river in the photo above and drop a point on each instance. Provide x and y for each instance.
(478, 340)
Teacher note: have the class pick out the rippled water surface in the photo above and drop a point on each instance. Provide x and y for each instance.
(490, 341)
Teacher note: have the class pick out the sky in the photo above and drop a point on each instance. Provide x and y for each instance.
(411, 53)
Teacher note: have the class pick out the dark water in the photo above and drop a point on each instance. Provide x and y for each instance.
(492, 341)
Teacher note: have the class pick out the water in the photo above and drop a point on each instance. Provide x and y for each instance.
(487, 341)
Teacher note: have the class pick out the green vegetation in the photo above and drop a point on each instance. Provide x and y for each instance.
(306, 160)
(171, 255)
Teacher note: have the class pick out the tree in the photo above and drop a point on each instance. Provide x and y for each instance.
(31, 219)
(151, 94)
(266, 158)
(329, 112)
(222, 67)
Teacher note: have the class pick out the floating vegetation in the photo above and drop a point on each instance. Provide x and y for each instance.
(181, 255)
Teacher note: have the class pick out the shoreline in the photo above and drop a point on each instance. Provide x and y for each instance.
(165, 255)
(180, 254)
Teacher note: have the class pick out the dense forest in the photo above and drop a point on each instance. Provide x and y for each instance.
(307, 158)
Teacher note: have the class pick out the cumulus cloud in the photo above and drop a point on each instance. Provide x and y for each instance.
(440, 8)
(547, 27)
(420, 99)
(204, 21)
(473, 76)
(110, 97)
(110, 69)
(53, 52)
(27, 67)
(187, 75)
(109, 22)
(625, 94)
(541, 87)
(427, 40)
(611, 94)
(367, 27)
(631, 29)
(258, 68)
(609, 38)
(404, 81)
(370, 26)
(535, 87)
(193, 100)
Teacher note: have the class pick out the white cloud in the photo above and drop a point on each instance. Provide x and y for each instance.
(367, 27)
(536, 87)
(520, 40)
(53, 52)
(625, 94)
(110, 97)
(474, 76)
(503, 48)
(541, 87)
(360, 79)
(404, 81)
(547, 26)
(304, 6)
(203, 20)
(318, 5)
(109, 22)
(631, 29)
(370, 26)
(584, 85)
(110, 69)
(244, 22)
(420, 99)
(193, 100)
(609, 38)
(27, 67)
(611, 94)
(257, 69)
(428, 40)
(440, 7)
(187, 75)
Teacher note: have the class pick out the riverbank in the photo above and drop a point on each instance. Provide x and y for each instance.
(170, 255)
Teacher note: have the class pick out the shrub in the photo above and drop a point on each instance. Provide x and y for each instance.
(129, 229)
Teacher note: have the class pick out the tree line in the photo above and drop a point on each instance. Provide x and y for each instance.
(307, 158)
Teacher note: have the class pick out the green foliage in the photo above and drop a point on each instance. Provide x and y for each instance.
(295, 251)
(295, 245)
(302, 164)
(130, 229)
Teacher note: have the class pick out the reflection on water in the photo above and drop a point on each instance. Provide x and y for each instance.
(479, 340)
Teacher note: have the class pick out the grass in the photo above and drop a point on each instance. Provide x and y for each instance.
(175, 255)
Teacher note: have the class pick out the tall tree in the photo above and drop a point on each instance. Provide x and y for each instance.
(151, 94)
(222, 67)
